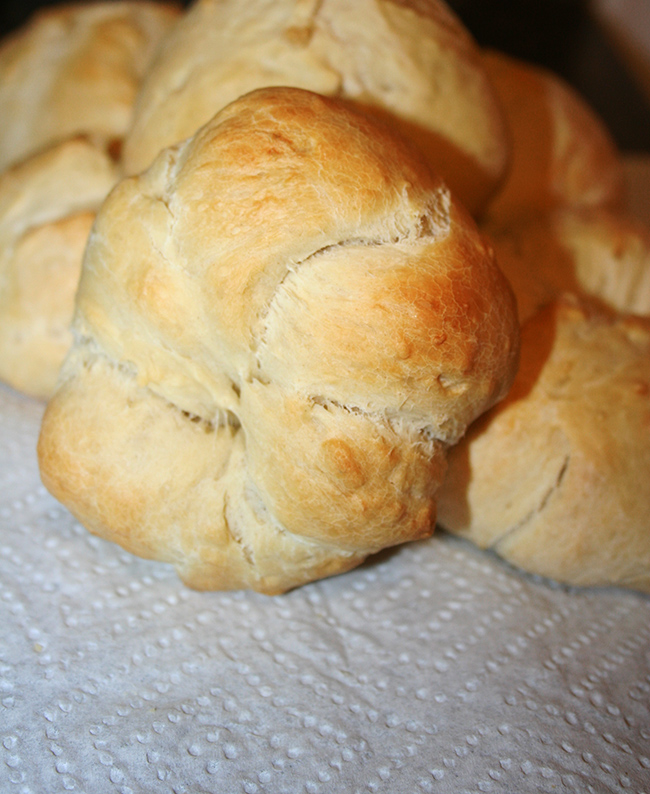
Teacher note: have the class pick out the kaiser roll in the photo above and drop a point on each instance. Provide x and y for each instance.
(282, 325)
(593, 251)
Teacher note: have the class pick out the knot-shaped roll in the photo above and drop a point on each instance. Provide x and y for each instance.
(281, 327)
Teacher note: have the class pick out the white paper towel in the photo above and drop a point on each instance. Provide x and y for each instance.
(434, 668)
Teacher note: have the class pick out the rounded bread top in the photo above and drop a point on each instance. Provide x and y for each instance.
(69, 177)
(292, 240)
(410, 62)
(75, 69)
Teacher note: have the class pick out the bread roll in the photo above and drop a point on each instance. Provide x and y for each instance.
(281, 327)
(47, 205)
(407, 61)
(562, 152)
(75, 68)
(555, 478)
(596, 252)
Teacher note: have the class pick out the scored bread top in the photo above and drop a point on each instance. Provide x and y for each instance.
(282, 199)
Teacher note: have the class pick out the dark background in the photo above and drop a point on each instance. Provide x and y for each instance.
(564, 36)
(559, 34)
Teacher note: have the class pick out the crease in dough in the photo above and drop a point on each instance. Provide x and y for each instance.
(522, 524)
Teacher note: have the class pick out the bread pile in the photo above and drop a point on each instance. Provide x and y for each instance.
(290, 311)
(68, 81)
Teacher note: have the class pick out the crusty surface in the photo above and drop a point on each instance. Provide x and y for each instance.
(562, 152)
(75, 68)
(555, 478)
(597, 252)
(47, 205)
(281, 327)
(410, 62)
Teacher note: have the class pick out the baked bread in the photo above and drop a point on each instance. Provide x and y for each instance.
(596, 252)
(75, 68)
(47, 205)
(562, 152)
(555, 478)
(408, 61)
(281, 327)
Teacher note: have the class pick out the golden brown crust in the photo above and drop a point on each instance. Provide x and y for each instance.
(295, 282)
(412, 64)
(555, 478)
(47, 206)
(75, 68)
(562, 152)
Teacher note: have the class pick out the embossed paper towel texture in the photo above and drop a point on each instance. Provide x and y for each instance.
(434, 668)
